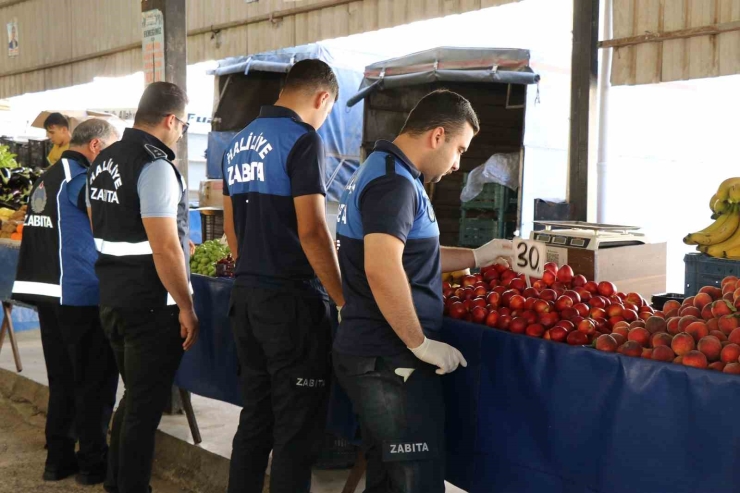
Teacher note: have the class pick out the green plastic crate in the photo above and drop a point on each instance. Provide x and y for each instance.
(492, 197)
(475, 232)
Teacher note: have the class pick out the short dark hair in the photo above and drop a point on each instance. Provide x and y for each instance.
(312, 75)
(160, 99)
(441, 108)
(94, 128)
(56, 120)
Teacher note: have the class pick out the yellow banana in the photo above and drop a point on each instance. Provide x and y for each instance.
(712, 202)
(734, 194)
(717, 232)
(724, 188)
(702, 248)
(721, 207)
(718, 249)
(732, 253)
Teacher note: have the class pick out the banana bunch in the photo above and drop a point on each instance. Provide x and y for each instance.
(721, 238)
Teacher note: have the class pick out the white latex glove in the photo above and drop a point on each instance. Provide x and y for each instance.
(495, 251)
(439, 354)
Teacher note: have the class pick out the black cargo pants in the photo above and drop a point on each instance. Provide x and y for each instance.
(402, 423)
(83, 380)
(148, 349)
(284, 346)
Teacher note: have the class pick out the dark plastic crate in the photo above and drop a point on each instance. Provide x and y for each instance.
(37, 154)
(659, 300)
(475, 232)
(212, 224)
(703, 270)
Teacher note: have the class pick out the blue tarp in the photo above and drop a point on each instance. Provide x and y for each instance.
(196, 231)
(342, 132)
(532, 416)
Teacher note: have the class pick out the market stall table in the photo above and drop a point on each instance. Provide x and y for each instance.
(529, 415)
(9, 251)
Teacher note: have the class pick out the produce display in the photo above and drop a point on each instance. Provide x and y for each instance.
(721, 238)
(11, 223)
(207, 256)
(225, 267)
(7, 158)
(702, 332)
(15, 186)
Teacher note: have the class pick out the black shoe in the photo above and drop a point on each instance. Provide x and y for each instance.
(91, 476)
(53, 473)
(110, 489)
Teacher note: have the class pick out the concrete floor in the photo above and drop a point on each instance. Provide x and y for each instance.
(217, 420)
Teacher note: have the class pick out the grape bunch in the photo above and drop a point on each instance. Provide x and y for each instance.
(206, 257)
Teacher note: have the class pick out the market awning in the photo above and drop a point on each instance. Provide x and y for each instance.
(495, 65)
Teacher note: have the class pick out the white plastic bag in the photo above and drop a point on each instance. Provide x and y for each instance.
(500, 168)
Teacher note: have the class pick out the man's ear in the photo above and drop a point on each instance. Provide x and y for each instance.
(169, 121)
(437, 137)
(322, 98)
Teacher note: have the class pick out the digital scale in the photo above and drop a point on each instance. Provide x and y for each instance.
(588, 236)
(606, 252)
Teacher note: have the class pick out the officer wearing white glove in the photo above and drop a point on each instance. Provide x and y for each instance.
(391, 263)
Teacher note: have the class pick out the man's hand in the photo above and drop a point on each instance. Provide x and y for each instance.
(191, 245)
(439, 354)
(495, 251)
(317, 243)
(189, 328)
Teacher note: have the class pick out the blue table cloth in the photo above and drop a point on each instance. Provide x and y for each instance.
(24, 317)
(532, 416)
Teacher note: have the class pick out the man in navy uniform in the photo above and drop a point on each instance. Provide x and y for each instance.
(275, 221)
(56, 272)
(386, 355)
(139, 212)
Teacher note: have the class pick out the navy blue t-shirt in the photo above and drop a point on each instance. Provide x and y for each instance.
(274, 159)
(386, 195)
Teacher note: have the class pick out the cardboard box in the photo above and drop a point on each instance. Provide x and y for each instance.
(211, 194)
(637, 268)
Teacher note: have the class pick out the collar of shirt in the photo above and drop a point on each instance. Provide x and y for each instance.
(279, 112)
(142, 137)
(76, 156)
(390, 147)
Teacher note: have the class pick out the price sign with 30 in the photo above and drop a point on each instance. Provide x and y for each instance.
(529, 257)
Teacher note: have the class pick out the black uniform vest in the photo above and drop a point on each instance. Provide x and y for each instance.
(125, 267)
